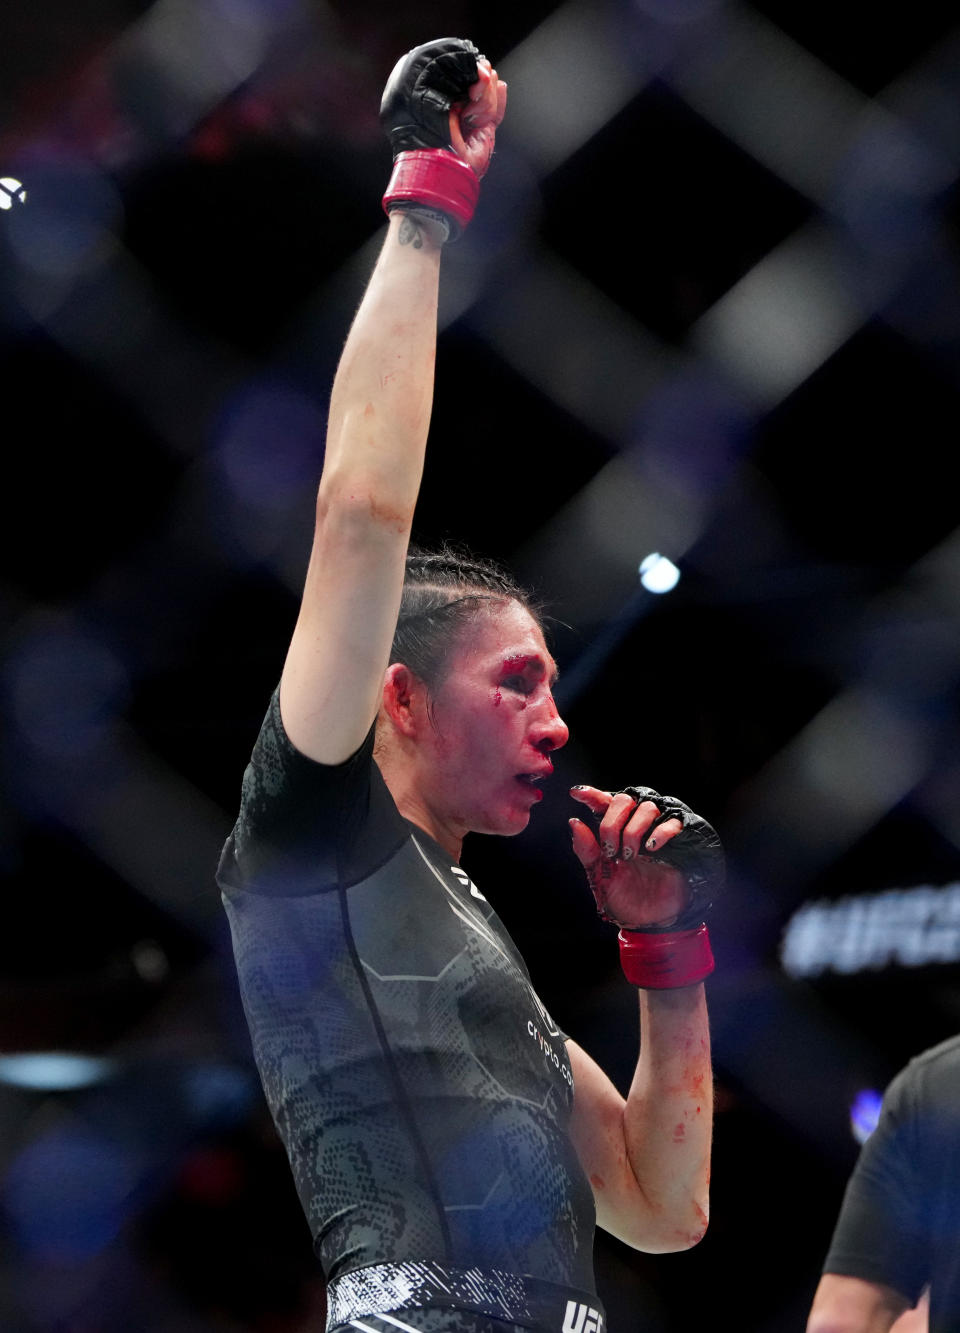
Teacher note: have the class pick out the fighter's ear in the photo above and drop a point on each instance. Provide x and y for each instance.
(404, 698)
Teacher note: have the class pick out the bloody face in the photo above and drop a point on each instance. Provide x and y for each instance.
(494, 725)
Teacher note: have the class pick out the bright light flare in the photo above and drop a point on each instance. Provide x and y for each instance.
(53, 1071)
(658, 574)
(864, 1113)
(11, 192)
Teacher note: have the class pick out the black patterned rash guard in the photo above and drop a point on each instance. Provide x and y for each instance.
(420, 1088)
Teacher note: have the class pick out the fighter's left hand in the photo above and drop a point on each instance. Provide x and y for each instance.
(643, 878)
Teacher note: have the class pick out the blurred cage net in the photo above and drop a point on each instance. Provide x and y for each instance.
(710, 300)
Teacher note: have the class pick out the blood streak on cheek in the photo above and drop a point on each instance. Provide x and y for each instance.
(679, 1133)
(497, 699)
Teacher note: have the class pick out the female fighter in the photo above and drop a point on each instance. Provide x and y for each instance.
(452, 1150)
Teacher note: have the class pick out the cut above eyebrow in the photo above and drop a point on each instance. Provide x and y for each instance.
(526, 661)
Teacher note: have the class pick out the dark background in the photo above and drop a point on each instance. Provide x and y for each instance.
(708, 307)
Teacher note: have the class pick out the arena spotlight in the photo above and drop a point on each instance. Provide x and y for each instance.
(658, 574)
(11, 192)
(864, 1113)
(53, 1071)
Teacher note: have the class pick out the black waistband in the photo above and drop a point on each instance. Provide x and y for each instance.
(512, 1297)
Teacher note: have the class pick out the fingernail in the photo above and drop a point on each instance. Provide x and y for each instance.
(651, 843)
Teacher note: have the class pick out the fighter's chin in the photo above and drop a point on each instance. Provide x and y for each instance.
(516, 819)
(509, 814)
(504, 823)
(518, 825)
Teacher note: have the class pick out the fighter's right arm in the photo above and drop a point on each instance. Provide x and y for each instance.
(376, 437)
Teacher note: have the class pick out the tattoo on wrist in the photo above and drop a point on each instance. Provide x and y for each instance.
(420, 223)
(409, 233)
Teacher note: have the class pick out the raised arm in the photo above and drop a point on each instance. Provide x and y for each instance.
(652, 868)
(441, 108)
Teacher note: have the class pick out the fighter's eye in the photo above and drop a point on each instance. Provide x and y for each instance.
(521, 683)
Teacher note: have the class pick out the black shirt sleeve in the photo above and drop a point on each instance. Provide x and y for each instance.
(879, 1235)
(305, 827)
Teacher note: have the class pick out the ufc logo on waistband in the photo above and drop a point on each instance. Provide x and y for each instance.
(582, 1319)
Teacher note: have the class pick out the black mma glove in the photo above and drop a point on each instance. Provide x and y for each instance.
(697, 853)
(429, 176)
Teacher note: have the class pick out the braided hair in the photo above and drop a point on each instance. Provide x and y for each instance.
(442, 591)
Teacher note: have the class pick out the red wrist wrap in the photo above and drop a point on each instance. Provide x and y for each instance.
(661, 960)
(437, 179)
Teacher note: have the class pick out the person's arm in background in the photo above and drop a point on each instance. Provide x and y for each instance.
(879, 1257)
(853, 1305)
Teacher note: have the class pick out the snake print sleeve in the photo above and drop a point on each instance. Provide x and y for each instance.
(299, 823)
